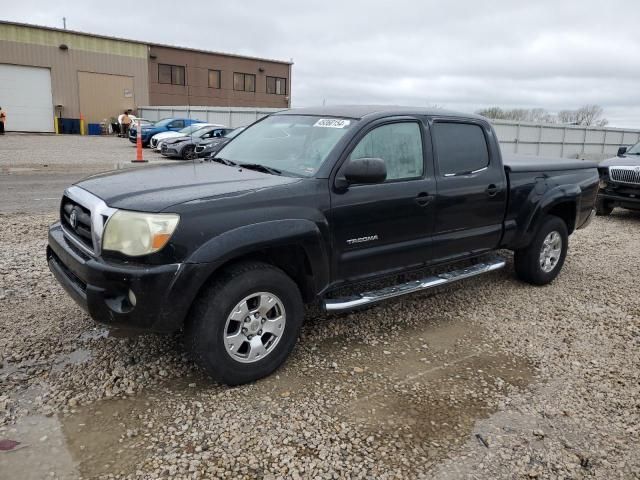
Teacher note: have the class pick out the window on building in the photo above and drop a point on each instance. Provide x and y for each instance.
(399, 145)
(277, 85)
(214, 78)
(461, 148)
(244, 82)
(172, 74)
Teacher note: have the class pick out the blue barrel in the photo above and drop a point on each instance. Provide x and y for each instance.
(95, 129)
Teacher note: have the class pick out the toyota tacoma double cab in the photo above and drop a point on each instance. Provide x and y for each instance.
(303, 205)
(619, 181)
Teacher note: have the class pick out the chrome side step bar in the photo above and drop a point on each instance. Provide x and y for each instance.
(374, 296)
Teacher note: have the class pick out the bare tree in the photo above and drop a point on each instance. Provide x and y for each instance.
(587, 115)
(517, 114)
(495, 113)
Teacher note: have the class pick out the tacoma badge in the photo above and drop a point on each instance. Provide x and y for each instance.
(370, 238)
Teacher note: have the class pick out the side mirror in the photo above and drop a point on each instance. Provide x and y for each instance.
(622, 151)
(364, 170)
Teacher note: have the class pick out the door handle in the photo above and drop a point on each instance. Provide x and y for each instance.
(492, 190)
(423, 199)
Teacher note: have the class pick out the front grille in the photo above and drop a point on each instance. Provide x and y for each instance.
(77, 221)
(625, 174)
(200, 148)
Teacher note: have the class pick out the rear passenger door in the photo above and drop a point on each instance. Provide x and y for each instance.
(472, 191)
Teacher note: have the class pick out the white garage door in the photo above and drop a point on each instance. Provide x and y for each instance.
(25, 95)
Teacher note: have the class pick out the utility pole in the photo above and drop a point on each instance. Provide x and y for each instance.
(64, 22)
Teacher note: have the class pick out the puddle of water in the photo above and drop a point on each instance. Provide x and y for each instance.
(432, 385)
(44, 451)
(76, 357)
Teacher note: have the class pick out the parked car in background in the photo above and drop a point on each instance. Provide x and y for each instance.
(184, 147)
(164, 125)
(620, 181)
(207, 148)
(158, 137)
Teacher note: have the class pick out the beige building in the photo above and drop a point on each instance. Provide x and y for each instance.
(48, 72)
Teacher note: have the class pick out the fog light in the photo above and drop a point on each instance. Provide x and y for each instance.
(132, 298)
(603, 183)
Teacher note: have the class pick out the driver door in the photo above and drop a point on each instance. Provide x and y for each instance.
(386, 227)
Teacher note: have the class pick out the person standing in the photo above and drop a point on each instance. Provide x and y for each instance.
(126, 123)
(3, 120)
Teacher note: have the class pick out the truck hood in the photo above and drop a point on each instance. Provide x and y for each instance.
(626, 161)
(154, 189)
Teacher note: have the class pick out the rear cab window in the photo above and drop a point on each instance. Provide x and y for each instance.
(461, 148)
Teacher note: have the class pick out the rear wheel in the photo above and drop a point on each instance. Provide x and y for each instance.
(541, 261)
(245, 323)
(603, 208)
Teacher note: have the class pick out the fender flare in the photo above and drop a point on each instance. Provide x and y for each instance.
(569, 193)
(258, 236)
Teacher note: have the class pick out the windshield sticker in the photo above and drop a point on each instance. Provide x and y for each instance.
(332, 123)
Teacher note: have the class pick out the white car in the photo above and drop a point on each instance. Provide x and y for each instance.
(156, 140)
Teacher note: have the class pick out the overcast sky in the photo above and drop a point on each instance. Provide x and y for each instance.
(462, 55)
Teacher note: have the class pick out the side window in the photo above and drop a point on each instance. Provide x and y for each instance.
(177, 124)
(461, 147)
(399, 145)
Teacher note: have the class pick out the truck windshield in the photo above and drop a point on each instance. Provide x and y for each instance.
(635, 150)
(294, 144)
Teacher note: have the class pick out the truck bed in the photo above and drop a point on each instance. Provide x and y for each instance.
(530, 163)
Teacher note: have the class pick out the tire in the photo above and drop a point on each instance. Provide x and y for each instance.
(189, 152)
(603, 209)
(216, 322)
(528, 261)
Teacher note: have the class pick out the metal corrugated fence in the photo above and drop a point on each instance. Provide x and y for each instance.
(231, 117)
(568, 141)
(543, 139)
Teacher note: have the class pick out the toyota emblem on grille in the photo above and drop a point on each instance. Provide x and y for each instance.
(73, 218)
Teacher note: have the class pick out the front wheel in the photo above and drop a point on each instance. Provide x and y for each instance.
(189, 152)
(245, 323)
(541, 261)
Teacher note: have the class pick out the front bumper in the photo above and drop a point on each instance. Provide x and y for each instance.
(133, 138)
(624, 196)
(163, 293)
(169, 151)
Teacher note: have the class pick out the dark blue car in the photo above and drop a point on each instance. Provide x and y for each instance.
(164, 125)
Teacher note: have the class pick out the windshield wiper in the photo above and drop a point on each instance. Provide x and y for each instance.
(223, 161)
(260, 168)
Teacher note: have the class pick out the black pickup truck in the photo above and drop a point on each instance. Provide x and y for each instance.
(298, 207)
(620, 181)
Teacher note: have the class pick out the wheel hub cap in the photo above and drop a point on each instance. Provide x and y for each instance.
(550, 252)
(254, 327)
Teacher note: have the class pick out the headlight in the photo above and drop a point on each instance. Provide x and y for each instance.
(138, 233)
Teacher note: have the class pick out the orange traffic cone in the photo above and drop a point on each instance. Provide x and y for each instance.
(139, 158)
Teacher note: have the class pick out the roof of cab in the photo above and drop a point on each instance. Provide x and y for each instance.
(361, 111)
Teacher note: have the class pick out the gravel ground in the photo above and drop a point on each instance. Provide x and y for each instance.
(488, 378)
